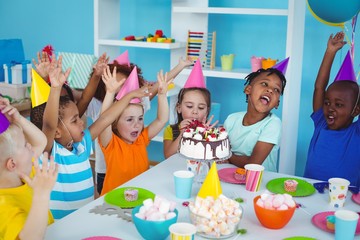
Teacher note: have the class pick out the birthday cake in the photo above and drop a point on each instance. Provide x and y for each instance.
(202, 142)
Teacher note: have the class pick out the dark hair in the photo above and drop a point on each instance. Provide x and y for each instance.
(63, 102)
(350, 86)
(205, 92)
(249, 78)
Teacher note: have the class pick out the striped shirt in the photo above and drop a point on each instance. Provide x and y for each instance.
(74, 187)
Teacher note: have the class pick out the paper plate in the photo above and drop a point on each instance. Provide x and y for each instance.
(101, 238)
(319, 220)
(227, 175)
(116, 197)
(303, 188)
(356, 198)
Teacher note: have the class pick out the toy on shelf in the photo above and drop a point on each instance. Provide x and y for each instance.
(158, 37)
(202, 45)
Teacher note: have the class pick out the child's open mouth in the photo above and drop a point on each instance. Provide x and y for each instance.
(330, 119)
(134, 134)
(265, 99)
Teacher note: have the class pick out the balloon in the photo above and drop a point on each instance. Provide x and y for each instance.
(334, 12)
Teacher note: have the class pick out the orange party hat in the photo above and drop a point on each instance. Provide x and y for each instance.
(131, 83)
(40, 90)
(211, 186)
(123, 59)
(196, 78)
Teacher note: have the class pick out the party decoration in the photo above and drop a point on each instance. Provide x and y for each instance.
(282, 66)
(346, 71)
(211, 186)
(196, 77)
(333, 12)
(131, 83)
(49, 50)
(40, 90)
(4, 123)
(123, 59)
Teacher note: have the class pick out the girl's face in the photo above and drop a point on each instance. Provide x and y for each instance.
(193, 106)
(264, 92)
(131, 123)
(74, 125)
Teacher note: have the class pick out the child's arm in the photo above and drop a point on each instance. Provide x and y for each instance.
(42, 184)
(334, 44)
(33, 135)
(51, 112)
(163, 107)
(90, 88)
(43, 65)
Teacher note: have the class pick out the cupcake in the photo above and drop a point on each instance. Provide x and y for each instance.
(240, 174)
(330, 222)
(131, 194)
(290, 185)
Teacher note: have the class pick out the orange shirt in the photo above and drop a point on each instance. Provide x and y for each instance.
(124, 161)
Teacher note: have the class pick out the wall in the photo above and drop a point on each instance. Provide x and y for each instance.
(68, 26)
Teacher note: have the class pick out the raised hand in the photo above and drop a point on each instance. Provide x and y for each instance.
(100, 65)
(140, 92)
(208, 122)
(163, 83)
(110, 81)
(42, 67)
(57, 77)
(337, 42)
(11, 112)
(185, 62)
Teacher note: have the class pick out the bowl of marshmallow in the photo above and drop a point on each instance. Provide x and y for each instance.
(215, 218)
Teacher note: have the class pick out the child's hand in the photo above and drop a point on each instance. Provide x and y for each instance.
(337, 42)
(45, 177)
(185, 63)
(57, 77)
(208, 123)
(140, 92)
(101, 64)
(43, 65)
(110, 81)
(184, 123)
(10, 112)
(163, 84)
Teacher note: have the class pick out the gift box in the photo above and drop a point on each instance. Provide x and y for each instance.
(81, 68)
(10, 50)
(15, 91)
(17, 72)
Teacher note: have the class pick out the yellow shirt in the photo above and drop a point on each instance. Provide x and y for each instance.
(168, 133)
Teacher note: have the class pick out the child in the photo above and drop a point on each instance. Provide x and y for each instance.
(71, 145)
(255, 134)
(334, 148)
(24, 204)
(124, 145)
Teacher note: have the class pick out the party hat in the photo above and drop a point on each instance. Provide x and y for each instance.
(196, 78)
(211, 185)
(123, 58)
(346, 71)
(282, 66)
(40, 90)
(4, 123)
(131, 83)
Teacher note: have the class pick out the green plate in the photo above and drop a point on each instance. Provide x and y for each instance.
(299, 238)
(303, 188)
(116, 197)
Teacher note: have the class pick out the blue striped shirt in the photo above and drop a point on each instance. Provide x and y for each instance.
(74, 186)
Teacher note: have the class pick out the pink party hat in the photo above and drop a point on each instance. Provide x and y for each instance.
(131, 83)
(282, 66)
(196, 78)
(123, 58)
(346, 71)
(4, 123)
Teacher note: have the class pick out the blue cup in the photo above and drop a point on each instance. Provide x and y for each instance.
(183, 183)
(345, 224)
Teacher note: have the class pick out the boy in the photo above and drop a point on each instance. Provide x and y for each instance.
(334, 149)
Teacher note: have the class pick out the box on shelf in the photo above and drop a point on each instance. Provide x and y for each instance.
(18, 72)
(15, 91)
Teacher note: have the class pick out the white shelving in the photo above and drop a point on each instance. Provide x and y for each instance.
(218, 72)
(243, 11)
(141, 44)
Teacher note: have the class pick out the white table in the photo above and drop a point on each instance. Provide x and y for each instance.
(159, 180)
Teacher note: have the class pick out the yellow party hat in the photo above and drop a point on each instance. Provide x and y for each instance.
(211, 185)
(40, 90)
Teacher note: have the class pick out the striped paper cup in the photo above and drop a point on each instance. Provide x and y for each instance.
(254, 173)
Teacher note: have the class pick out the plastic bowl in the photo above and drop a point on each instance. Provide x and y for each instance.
(153, 230)
(225, 229)
(274, 219)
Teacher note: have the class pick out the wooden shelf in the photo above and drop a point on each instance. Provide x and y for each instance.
(243, 11)
(218, 72)
(141, 44)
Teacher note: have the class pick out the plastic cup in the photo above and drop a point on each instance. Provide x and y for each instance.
(345, 224)
(183, 183)
(268, 63)
(256, 63)
(182, 231)
(227, 62)
(338, 188)
(254, 173)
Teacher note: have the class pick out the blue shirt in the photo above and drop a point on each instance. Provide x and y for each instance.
(243, 138)
(74, 186)
(334, 153)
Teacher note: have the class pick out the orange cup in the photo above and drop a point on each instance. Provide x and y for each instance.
(268, 63)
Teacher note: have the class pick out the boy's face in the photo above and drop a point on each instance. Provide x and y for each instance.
(338, 106)
(264, 92)
(193, 106)
(23, 153)
(73, 123)
(131, 123)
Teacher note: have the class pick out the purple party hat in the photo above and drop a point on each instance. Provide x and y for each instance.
(346, 71)
(4, 123)
(282, 66)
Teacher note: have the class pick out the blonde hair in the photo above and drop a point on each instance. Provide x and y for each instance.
(7, 143)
